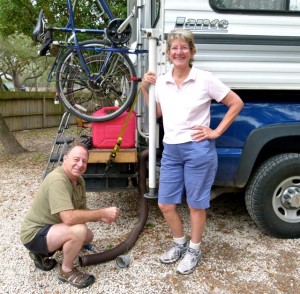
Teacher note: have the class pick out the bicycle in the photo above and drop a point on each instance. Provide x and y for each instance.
(95, 73)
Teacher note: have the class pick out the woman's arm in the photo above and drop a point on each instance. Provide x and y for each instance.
(235, 105)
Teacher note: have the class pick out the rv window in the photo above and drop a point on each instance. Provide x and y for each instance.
(295, 5)
(256, 5)
(155, 9)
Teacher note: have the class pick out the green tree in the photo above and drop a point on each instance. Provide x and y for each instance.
(20, 60)
(25, 14)
(17, 16)
(18, 56)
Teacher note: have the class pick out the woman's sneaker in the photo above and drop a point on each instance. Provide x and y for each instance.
(189, 261)
(173, 253)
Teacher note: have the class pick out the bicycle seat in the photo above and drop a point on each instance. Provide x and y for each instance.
(39, 29)
(47, 41)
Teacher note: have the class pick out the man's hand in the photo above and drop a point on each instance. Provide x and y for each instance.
(110, 214)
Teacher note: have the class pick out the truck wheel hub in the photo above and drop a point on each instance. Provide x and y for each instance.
(291, 197)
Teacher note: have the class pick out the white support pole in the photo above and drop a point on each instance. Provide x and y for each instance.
(152, 121)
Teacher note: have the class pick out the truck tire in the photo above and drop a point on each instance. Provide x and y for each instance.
(273, 196)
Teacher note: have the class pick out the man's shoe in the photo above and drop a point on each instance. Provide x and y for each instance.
(76, 278)
(173, 253)
(43, 262)
(189, 261)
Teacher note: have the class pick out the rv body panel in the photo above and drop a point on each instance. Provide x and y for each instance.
(246, 51)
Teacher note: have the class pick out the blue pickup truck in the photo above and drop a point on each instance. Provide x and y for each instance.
(260, 154)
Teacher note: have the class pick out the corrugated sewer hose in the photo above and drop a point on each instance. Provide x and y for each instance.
(131, 238)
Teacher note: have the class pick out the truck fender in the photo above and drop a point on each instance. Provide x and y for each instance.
(256, 140)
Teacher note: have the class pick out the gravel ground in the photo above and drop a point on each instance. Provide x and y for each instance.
(237, 257)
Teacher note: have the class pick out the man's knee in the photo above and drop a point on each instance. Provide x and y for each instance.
(60, 234)
(80, 231)
(89, 237)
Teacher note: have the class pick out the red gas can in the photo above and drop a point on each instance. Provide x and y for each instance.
(105, 134)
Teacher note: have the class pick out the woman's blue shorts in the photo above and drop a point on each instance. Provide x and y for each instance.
(188, 168)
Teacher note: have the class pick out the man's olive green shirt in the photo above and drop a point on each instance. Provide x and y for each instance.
(56, 194)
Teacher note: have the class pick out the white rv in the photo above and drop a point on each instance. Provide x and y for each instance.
(247, 44)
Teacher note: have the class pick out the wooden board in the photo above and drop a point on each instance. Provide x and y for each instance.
(102, 155)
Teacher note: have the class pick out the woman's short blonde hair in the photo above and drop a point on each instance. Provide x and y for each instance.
(182, 34)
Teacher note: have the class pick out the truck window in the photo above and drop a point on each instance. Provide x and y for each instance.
(256, 5)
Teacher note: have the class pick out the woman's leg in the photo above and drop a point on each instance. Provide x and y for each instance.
(198, 220)
(173, 219)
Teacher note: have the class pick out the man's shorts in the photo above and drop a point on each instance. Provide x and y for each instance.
(188, 168)
(39, 243)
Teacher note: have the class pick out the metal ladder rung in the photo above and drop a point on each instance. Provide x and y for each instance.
(64, 140)
(56, 158)
(61, 142)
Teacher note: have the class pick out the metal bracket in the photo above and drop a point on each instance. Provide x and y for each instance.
(152, 33)
(161, 58)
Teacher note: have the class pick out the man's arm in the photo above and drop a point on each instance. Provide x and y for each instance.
(80, 216)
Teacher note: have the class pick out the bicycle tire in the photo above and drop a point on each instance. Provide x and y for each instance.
(83, 96)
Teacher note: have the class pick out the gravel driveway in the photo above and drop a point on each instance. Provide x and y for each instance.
(237, 257)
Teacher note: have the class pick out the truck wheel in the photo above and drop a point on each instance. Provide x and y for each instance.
(273, 196)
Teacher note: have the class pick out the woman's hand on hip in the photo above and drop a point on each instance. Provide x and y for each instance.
(204, 133)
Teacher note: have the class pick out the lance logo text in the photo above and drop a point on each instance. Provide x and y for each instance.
(202, 24)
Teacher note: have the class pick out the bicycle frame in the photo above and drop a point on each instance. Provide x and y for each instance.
(70, 28)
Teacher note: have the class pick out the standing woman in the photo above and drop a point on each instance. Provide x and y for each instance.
(189, 161)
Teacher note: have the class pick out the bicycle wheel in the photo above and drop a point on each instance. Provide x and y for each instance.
(83, 95)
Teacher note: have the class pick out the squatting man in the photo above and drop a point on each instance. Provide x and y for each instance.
(57, 219)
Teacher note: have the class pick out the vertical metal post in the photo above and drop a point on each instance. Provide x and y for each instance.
(152, 119)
